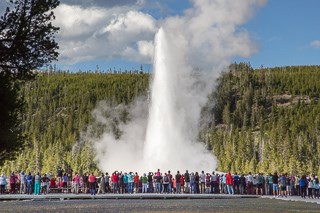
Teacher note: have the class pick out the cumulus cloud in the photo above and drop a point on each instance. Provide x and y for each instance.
(315, 44)
(212, 29)
(103, 33)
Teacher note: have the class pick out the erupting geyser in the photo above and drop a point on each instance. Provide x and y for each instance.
(171, 138)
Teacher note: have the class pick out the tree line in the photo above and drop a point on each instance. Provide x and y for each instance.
(261, 120)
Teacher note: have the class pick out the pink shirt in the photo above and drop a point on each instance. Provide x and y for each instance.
(76, 179)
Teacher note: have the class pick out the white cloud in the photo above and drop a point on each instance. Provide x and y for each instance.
(210, 29)
(103, 33)
(315, 44)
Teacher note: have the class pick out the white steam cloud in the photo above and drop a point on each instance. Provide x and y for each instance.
(190, 52)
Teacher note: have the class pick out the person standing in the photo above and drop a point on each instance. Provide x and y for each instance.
(115, 179)
(12, 183)
(76, 183)
(202, 182)
(259, 189)
(3, 180)
(107, 181)
(165, 183)
(29, 183)
(275, 186)
(37, 180)
(22, 183)
(229, 183)
(92, 184)
(242, 181)
(187, 182)
(170, 182)
(150, 182)
(136, 182)
(303, 186)
(130, 182)
(102, 185)
(85, 183)
(144, 181)
(196, 182)
(192, 183)
(249, 184)
(316, 187)
(178, 182)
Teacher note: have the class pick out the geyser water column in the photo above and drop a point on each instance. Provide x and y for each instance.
(174, 112)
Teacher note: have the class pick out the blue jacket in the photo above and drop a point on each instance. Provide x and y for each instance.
(303, 182)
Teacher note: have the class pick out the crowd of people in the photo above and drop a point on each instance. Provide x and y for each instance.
(158, 182)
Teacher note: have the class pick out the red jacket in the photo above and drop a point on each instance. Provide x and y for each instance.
(115, 178)
(229, 179)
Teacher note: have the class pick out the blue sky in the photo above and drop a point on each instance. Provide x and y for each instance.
(286, 31)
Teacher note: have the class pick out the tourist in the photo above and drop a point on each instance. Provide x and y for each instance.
(136, 182)
(65, 182)
(249, 184)
(236, 183)
(125, 183)
(37, 180)
(202, 182)
(150, 182)
(275, 186)
(182, 183)
(270, 184)
(13, 180)
(242, 186)
(223, 184)
(130, 182)
(85, 183)
(157, 178)
(187, 182)
(3, 181)
(121, 183)
(288, 185)
(107, 181)
(102, 185)
(44, 184)
(297, 185)
(310, 187)
(207, 183)
(170, 182)
(115, 180)
(178, 182)
(282, 183)
(196, 182)
(92, 184)
(29, 183)
(316, 187)
(60, 172)
(303, 186)
(76, 183)
(165, 183)
(144, 180)
(53, 183)
(192, 183)
(229, 183)
(22, 183)
(259, 185)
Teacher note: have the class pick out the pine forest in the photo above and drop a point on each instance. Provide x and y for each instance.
(261, 120)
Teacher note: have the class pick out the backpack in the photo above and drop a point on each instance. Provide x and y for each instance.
(166, 179)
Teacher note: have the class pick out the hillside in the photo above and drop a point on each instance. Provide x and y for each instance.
(262, 120)
(266, 120)
(59, 108)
